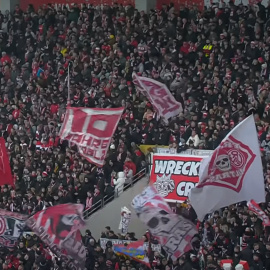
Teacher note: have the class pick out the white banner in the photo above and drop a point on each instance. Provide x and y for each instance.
(104, 241)
(159, 96)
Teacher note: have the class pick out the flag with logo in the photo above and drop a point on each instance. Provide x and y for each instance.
(5, 171)
(255, 208)
(173, 232)
(159, 96)
(233, 173)
(125, 220)
(135, 250)
(58, 227)
(11, 227)
(91, 130)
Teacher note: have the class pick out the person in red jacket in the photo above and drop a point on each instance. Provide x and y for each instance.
(5, 58)
(129, 169)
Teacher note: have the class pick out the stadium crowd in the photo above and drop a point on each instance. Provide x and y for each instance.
(215, 62)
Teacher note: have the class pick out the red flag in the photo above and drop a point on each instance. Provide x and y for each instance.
(91, 130)
(58, 227)
(5, 171)
(255, 208)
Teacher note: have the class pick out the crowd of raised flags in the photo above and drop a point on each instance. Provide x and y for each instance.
(232, 174)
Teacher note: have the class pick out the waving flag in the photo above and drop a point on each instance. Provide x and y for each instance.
(233, 173)
(172, 231)
(58, 227)
(125, 220)
(5, 171)
(91, 130)
(255, 208)
(11, 227)
(134, 250)
(159, 96)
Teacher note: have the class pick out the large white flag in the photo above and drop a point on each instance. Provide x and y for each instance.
(233, 173)
(173, 232)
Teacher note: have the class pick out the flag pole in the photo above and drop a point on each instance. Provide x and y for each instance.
(68, 86)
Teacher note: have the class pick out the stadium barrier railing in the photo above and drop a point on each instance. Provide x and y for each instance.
(107, 199)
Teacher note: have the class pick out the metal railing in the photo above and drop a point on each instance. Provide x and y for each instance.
(105, 200)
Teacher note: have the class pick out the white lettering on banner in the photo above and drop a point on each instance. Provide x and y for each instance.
(163, 150)
(184, 188)
(104, 241)
(201, 152)
(224, 175)
(170, 167)
(91, 130)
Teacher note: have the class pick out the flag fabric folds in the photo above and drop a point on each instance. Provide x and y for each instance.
(125, 220)
(172, 231)
(91, 130)
(255, 208)
(159, 96)
(5, 171)
(233, 173)
(134, 250)
(11, 227)
(58, 227)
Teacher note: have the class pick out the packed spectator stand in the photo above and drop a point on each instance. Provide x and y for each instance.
(215, 62)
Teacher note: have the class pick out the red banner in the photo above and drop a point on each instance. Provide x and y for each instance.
(5, 171)
(174, 176)
(60, 3)
(177, 3)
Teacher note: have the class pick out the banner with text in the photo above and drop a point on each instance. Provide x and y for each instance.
(159, 95)
(175, 175)
(104, 241)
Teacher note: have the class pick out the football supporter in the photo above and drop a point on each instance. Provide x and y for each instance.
(215, 62)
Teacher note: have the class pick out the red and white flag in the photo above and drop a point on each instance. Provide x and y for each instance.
(233, 173)
(173, 232)
(5, 171)
(91, 130)
(255, 208)
(159, 96)
(59, 228)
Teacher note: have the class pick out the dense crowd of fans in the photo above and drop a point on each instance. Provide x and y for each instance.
(215, 62)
